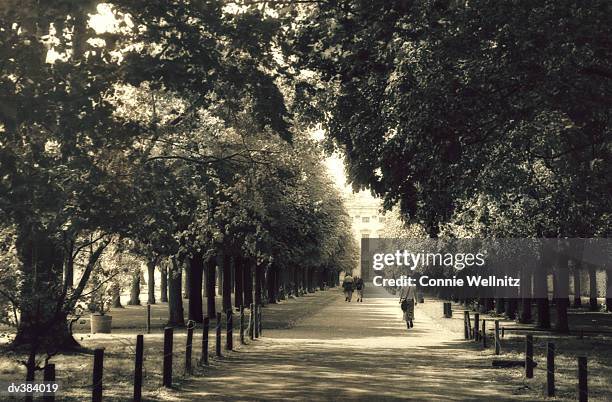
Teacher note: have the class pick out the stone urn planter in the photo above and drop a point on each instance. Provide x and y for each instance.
(101, 323)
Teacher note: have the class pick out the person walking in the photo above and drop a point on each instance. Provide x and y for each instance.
(408, 299)
(347, 285)
(359, 286)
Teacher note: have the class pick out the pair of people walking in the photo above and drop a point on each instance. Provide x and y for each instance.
(408, 301)
(350, 284)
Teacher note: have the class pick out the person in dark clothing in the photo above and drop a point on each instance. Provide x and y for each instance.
(348, 286)
(359, 286)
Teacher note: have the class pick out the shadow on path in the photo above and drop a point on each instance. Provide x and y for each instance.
(352, 351)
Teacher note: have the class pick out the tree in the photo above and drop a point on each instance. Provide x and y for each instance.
(70, 164)
(435, 104)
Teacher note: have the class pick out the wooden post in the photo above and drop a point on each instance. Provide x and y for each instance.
(529, 356)
(583, 392)
(242, 340)
(484, 334)
(255, 320)
(503, 332)
(497, 341)
(98, 367)
(205, 329)
(550, 369)
(167, 365)
(49, 375)
(466, 330)
(138, 368)
(252, 322)
(218, 336)
(476, 329)
(189, 347)
(229, 339)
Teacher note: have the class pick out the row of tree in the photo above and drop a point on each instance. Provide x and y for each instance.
(477, 119)
(166, 130)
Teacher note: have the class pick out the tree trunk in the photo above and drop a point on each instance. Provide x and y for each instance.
(135, 288)
(175, 300)
(526, 316)
(310, 280)
(511, 308)
(211, 266)
(247, 281)
(561, 292)
(116, 289)
(186, 279)
(151, 280)
(238, 288)
(296, 281)
(593, 304)
(526, 294)
(258, 282)
(609, 288)
(196, 269)
(163, 284)
(323, 275)
(69, 268)
(43, 320)
(481, 305)
(577, 285)
(271, 277)
(500, 305)
(305, 280)
(541, 290)
(220, 275)
(227, 281)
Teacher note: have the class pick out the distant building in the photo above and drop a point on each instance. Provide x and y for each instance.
(368, 221)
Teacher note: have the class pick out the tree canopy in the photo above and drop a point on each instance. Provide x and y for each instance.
(436, 102)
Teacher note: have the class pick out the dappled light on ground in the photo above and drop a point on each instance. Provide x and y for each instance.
(353, 352)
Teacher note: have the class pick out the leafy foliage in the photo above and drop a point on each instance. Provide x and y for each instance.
(435, 103)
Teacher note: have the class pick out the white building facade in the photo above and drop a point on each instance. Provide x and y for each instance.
(367, 219)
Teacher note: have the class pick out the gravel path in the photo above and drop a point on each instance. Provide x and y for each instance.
(351, 351)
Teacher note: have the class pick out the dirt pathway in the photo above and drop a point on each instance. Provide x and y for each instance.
(351, 351)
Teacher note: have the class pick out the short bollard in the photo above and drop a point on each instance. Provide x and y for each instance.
(218, 336)
(167, 364)
(189, 347)
(229, 338)
(529, 356)
(550, 369)
(98, 367)
(205, 329)
(242, 340)
(49, 375)
(497, 340)
(138, 368)
(476, 329)
(583, 392)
